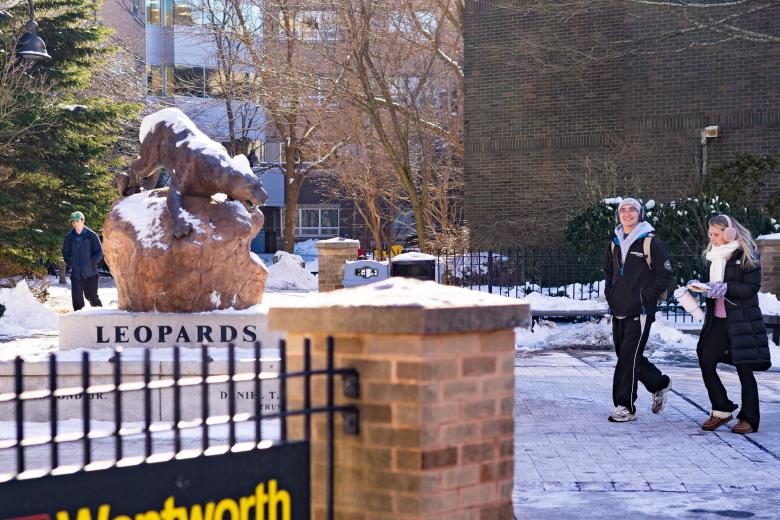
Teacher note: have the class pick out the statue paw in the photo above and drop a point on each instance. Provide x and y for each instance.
(181, 228)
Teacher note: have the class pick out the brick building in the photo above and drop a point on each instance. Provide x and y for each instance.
(547, 130)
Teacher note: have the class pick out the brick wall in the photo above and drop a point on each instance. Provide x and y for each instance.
(535, 117)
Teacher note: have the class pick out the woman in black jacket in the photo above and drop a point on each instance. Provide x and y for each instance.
(733, 331)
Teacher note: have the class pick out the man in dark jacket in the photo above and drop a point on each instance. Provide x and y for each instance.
(637, 272)
(82, 251)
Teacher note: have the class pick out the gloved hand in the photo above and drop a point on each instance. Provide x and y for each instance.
(717, 290)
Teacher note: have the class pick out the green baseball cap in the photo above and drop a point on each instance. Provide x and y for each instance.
(76, 215)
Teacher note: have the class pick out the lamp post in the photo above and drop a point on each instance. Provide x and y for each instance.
(30, 45)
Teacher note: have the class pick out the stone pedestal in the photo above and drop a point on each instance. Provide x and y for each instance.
(106, 328)
(333, 253)
(436, 368)
(769, 249)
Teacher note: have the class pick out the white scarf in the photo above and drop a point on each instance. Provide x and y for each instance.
(719, 255)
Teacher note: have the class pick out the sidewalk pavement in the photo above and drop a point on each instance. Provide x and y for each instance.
(571, 463)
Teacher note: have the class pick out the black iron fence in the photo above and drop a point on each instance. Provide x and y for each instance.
(550, 272)
(204, 421)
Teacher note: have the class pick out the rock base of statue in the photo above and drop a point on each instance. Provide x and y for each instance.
(210, 268)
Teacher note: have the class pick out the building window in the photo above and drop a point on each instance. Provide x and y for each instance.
(188, 81)
(159, 80)
(187, 12)
(159, 12)
(153, 12)
(316, 222)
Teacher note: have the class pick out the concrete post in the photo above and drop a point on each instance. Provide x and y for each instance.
(436, 368)
(333, 253)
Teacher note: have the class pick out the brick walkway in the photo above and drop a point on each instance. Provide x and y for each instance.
(571, 461)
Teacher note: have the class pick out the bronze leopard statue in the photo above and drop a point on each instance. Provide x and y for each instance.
(198, 166)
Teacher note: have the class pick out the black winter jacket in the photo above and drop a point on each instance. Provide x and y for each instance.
(747, 332)
(83, 259)
(634, 288)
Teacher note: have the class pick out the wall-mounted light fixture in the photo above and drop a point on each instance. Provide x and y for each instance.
(708, 132)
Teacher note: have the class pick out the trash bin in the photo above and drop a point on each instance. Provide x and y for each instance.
(414, 265)
(362, 272)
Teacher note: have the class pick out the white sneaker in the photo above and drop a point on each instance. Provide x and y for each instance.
(659, 398)
(621, 414)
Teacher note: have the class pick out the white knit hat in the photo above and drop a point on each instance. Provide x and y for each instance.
(628, 201)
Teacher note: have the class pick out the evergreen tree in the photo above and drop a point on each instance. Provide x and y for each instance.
(62, 159)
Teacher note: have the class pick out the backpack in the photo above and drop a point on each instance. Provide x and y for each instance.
(648, 259)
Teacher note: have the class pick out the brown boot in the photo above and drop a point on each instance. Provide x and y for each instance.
(742, 427)
(714, 423)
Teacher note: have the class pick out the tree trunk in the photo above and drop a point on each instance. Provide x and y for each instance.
(291, 190)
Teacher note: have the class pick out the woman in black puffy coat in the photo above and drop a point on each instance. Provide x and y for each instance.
(733, 330)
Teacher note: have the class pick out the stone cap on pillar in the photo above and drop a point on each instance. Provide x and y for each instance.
(338, 243)
(400, 306)
(774, 237)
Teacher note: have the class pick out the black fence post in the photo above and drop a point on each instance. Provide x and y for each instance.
(147, 403)
(53, 420)
(231, 395)
(18, 388)
(117, 404)
(258, 395)
(85, 377)
(490, 271)
(204, 396)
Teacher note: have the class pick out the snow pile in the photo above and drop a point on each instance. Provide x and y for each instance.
(768, 303)
(666, 342)
(287, 274)
(307, 247)
(540, 302)
(24, 315)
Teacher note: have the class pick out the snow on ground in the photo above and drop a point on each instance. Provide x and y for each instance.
(287, 274)
(768, 303)
(666, 343)
(24, 315)
(539, 301)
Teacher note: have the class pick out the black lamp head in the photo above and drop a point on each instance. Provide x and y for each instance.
(30, 45)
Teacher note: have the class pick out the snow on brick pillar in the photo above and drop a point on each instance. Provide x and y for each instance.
(769, 249)
(333, 253)
(437, 391)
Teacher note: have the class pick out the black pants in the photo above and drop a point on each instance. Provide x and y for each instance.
(715, 348)
(632, 366)
(84, 287)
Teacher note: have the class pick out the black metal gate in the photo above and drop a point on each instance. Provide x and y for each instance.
(250, 473)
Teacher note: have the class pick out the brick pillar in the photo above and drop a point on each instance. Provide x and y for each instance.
(769, 249)
(436, 368)
(333, 253)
